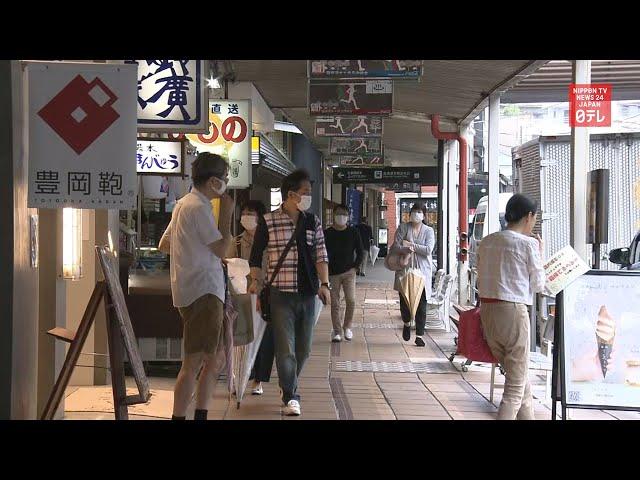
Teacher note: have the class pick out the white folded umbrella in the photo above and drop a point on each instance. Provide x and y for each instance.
(373, 254)
(244, 356)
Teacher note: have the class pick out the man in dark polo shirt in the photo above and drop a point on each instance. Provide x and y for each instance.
(345, 256)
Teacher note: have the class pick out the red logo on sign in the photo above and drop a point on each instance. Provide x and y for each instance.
(81, 112)
(233, 129)
(590, 105)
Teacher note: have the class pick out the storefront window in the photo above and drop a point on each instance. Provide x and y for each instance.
(431, 204)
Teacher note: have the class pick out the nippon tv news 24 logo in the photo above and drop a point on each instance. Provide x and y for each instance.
(590, 104)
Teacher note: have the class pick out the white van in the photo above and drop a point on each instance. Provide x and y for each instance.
(480, 228)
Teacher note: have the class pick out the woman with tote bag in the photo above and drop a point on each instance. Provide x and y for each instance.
(419, 239)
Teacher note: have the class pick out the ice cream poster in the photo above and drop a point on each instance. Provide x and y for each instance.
(562, 269)
(601, 340)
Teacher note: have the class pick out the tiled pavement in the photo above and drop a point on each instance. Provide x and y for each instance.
(329, 393)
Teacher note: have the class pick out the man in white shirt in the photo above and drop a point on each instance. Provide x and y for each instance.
(510, 271)
(196, 246)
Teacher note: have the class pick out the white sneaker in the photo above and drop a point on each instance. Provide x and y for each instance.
(257, 389)
(336, 337)
(292, 408)
(348, 334)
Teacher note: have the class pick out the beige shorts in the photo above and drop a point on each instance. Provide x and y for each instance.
(203, 325)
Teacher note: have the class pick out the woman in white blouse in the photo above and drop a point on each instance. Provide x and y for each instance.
(510, 271)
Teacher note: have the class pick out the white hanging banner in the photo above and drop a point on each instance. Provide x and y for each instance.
(160, 156)
(81, 124)
(172, 95)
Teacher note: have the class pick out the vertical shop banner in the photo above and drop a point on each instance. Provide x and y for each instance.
(396, 69)
(255, 150)
(590, 104)
(361, 146)
(353, 204)
(359, 97)
(361, 126)
(160, 156)
(81, 127)
(229, 135)
(601, 340)
(172, 95)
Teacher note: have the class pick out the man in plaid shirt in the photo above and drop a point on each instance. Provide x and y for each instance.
(304, 274)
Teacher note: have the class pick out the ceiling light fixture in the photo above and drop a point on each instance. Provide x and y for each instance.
(286, 127)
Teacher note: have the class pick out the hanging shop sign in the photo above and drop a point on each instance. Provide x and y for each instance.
(172, 95)
(359, 97)
(356, 146)
(81, 124)
(362, 126)
(600, 341)
(396, 69)
(160, 157)
(421, 175)
(229, 135)
(361, 161)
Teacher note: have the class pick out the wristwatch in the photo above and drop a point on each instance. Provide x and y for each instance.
(325, 284)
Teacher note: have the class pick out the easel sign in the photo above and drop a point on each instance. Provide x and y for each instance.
(110, 268)
(597, 336)
(119, 332)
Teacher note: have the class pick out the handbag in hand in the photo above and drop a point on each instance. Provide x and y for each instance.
(265, 294)
(397, 259)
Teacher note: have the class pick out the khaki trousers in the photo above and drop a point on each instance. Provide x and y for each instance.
(345, 281)
(506, 328)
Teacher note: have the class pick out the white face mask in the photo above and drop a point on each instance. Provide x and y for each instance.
(417, 217)
(222, 189)
(249, 222)
(305, 203)
(342, 220)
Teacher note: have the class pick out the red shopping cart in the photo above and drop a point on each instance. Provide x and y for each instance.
(471, 342)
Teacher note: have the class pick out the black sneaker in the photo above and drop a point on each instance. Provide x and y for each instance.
(420, 342)
(406, 333)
